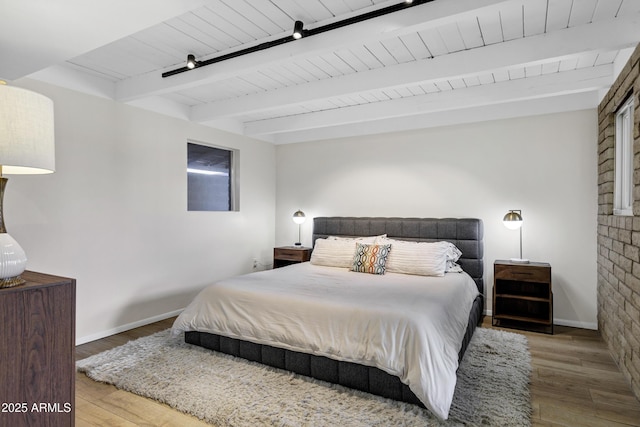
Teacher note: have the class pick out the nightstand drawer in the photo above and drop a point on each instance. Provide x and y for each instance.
(529, 273)
(287, 255)
(290, 254)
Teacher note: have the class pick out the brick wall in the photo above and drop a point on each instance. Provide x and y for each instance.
(619, 236)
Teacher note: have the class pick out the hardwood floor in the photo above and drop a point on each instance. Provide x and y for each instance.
(574, 382)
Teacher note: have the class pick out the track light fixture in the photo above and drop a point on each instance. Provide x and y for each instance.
(298, 32)
(191, 62)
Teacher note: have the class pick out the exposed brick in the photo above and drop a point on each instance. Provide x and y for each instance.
(635, 301)
(624, 236)
(607, 154)
(633, 282)
(623, 295)
(618, 294)
(626, 265)
(632, 252)
(633, 312)
(618, 246)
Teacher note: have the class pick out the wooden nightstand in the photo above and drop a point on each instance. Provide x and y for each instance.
(286, 255)
(522, 296)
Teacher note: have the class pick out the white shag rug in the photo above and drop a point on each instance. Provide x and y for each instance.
(492, 388)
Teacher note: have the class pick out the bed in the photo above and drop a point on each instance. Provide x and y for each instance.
(383, 354)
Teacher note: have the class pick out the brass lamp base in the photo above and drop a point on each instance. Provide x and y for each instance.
(10, 282)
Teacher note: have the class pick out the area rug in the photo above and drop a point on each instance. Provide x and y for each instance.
(492, 387)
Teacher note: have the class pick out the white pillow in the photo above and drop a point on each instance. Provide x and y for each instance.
(333, 253)
(419, 258)
(364, 239)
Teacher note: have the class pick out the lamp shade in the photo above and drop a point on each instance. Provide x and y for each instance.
(299, 217)
(26, 132)
(512, 220)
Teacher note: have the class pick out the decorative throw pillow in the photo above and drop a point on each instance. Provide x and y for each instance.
(370, 258)
(453, 255)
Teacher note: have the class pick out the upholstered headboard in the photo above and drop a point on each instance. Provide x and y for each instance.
(465, 233)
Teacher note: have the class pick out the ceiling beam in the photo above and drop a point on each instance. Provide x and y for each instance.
(582, 80)
(465, 115)
(600, 36)
(417, 18)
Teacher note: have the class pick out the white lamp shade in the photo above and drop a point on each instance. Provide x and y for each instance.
(299, 217)
(513, 225)
(26, 132)
(512, 220)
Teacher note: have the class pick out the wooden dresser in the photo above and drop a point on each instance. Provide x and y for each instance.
(37, 350)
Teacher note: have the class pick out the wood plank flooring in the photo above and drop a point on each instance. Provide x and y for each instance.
(574, 382)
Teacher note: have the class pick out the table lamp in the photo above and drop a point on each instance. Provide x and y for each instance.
(26, 147)
(513, 221)
(299, 218)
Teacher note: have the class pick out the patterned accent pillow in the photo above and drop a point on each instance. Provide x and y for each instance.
(370, 258)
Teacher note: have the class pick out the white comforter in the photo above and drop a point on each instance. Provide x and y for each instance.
(409, 326)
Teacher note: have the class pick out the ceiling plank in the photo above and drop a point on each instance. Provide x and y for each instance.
(562, 44)
(429, 15)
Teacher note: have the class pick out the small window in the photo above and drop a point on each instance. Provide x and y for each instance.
(211, 183)
(623, 196)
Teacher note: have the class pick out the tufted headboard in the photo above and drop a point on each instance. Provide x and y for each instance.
(465, 233)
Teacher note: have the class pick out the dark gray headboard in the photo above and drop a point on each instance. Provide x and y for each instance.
(465, 233)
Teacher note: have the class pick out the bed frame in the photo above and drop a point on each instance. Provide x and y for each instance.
(466, 234)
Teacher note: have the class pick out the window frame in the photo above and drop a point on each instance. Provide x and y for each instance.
(234, 188)
(623, 181)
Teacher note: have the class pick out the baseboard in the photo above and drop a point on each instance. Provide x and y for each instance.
(564, 322)
(128, 326)
(575, 324)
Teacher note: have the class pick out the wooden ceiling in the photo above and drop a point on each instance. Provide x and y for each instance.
(439, 63)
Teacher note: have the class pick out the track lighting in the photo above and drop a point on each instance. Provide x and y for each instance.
(191, 62)
(297, 30)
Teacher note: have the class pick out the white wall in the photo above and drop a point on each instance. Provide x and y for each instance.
(113, 215)
(544, 165)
